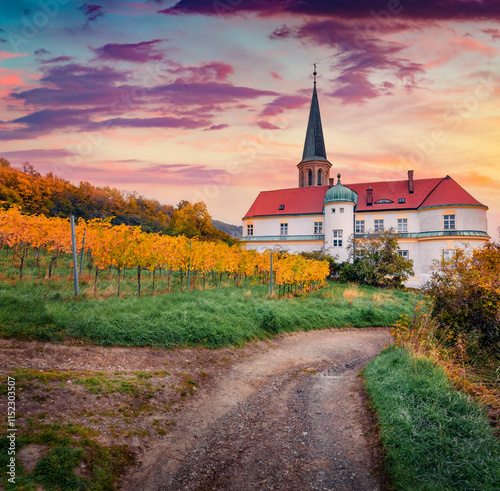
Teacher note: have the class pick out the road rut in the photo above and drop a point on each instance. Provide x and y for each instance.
(291, 417)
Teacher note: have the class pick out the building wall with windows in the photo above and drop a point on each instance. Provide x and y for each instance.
(466, 218)
(426, 233)
(274, 226)
(339, 226)
(433, 216)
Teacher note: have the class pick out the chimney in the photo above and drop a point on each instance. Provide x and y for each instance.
(369, 196)
(410, 181)
(331, 182)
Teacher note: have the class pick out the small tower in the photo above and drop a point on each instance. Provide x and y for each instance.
(339, 206)
(314, 168)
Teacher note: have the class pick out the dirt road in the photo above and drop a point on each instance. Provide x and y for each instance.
(290, 417)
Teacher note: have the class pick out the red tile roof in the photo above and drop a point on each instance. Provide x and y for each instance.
(394, 190)
(427, 192)
(448, 192)
(297, 201)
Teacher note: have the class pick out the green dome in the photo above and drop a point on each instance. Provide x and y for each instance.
(339, 192)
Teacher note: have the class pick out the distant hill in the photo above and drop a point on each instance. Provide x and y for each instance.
(235, 231)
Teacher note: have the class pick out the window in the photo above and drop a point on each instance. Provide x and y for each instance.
(282, 207)
(283, 228)
(383, 201)
(341, 210)
(360, 226)
(319, 177)
(402, 224)
(333, 210)
(318, 227)
(337, 238)
(379, 225)
(249, 229)
(448, 254)
(449, 222)
(401, 200)
(404, 254)
(310, 178)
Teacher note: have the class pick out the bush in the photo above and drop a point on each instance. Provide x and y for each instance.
(376, 261)
(466, 293)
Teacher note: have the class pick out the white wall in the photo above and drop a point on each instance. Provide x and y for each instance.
(390, 220)
(338, 221)
(466, 218)
(297, 225)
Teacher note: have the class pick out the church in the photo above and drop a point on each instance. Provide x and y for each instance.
(432, 216)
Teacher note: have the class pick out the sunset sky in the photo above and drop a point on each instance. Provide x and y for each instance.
(208, 100)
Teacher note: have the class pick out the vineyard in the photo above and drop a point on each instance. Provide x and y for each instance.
(124, 253)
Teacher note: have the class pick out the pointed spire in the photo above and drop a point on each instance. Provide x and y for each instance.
(314, 146)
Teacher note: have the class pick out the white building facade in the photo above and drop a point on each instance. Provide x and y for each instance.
(433, 217)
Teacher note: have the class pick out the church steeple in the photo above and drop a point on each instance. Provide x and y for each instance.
(314, 146)
(314, 168)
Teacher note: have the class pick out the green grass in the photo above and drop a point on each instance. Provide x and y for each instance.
(213, 318)
(436, 437)
(68, 446)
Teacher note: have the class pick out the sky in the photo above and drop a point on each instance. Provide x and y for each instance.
(208, 100)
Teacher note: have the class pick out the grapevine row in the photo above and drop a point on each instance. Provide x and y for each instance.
(125, 247)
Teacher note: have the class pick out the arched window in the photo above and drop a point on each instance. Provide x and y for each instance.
(310, 178)
(301, 179)
(319, 177)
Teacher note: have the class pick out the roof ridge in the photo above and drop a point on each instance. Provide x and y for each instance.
(431, 191)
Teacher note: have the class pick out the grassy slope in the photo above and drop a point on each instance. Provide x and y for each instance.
(214, 318)
(435, 436)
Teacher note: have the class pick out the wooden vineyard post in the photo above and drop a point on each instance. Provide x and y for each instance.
(81, 254)
(75, 261)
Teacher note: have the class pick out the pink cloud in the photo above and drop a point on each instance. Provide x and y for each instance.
(423, 9)
(217, 71)
(59, 59)
(473, 45)
(283, 103)
(5, 55)
(138, 52)
(160, 122)
(494, 33)
(266, 125)
(217, 127)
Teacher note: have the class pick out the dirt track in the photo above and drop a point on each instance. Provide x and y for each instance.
(291, 417)
(286, 414)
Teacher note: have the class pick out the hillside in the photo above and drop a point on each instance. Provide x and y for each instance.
(51, 195)
(235, 231)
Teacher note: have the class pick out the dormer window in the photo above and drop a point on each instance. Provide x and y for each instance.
(282, 207)
(401, 200)
(383, 201)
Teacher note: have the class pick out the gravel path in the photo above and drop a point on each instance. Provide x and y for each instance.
(290, 418)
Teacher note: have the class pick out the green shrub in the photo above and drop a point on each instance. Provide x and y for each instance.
(466, 293)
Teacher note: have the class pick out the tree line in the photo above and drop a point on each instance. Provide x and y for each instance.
(51, 195)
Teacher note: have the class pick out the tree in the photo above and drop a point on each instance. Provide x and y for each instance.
(193, 220)
(376, 261)
(466, 293)
(4, 162)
